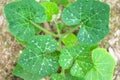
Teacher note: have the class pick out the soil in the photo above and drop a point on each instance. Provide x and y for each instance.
(10, 50)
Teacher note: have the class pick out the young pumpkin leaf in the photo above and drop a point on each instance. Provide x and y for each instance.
(51, 8)
(101, 68)
(70, 40)
(20, 14)
(36, 57)
(20, 72)
(69, 55)
(81, 65)
(61, 2)
(104, 66)
(93, 18)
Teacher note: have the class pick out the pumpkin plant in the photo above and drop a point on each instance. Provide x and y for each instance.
(70, 50)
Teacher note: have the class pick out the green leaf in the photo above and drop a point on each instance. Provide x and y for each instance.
(81, 65)
(92, 47)
(93, 18)
(70, 40)
(57, 77)
(45, 0)
(42, 44)
(104, 66)
(101, 67)
(20, 14)
(36, 56)
(61, 2)
(64, 77)
(70, 77)
(89, 0)
(69, 55)
(67, 76)
(20, 72)
(51, 8)
(96, 66)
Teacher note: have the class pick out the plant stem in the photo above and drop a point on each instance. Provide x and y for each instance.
(58, 33)
(46, 31)
(63, 72)
(69, 32)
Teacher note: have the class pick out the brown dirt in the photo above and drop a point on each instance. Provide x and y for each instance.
(10, 49)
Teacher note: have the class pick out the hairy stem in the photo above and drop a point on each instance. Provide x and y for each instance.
(69, 32)
(58, 33)
(63, 72)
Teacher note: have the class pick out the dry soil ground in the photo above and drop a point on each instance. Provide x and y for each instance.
(10, 50)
